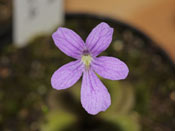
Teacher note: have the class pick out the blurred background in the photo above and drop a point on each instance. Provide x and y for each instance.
(144, 38)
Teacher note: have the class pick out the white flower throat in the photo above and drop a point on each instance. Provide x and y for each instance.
(86, 59)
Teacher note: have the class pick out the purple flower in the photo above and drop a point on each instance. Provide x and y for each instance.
(94, 95)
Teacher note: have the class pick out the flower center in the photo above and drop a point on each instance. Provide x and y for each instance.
(86, 59)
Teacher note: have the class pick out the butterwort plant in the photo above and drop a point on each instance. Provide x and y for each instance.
(94, 95)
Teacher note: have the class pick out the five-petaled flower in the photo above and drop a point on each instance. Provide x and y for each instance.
(94, 95)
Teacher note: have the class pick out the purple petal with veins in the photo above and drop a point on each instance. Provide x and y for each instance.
(110, 68)
(99, 39)
(94, 95)
(67, 75)
(69, 42)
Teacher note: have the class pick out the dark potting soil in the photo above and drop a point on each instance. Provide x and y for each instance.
(144, 101)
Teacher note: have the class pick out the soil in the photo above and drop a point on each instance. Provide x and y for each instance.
(27, 97)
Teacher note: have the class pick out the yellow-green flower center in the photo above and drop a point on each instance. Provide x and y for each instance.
(86, 59)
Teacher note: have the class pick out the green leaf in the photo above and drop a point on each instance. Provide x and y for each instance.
(57, 121)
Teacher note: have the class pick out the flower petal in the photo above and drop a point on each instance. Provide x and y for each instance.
(68, 42)
(67, 75)
(110, 68)
(99, 39)
(94, 95)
